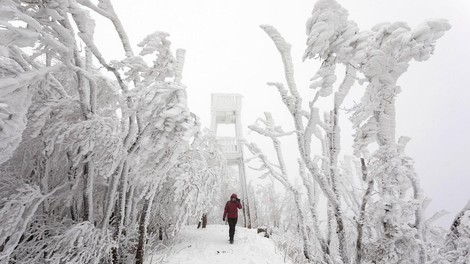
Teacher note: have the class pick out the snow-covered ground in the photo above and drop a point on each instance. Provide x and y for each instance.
(211, 246)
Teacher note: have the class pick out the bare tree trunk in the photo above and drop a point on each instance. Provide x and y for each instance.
(143, 223)
(204, 220)
(160, 233)
(89, 179)
(45, 184)
(129, 206)
(139, 257)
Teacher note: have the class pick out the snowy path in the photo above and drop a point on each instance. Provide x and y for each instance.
(211, 246)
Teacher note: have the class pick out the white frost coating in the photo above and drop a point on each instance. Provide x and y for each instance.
(155, 42)
(106, 9)
(293, 102)
(324, 79)
(180, 58)
(345, 86)
(192, 184)
(325, 28)
(389, 221)
(57, 129)
(12, 215)
(16, 214)
(85, 24)
(13, 106)
(387, 58)
(165, 63)
(16, 87)
(284, 49)
(457, 243)
(330, 32)
(279, 172)
(119, 171)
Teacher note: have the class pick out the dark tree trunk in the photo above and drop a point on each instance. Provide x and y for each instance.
(143, 223)
(139, 256)
(88, 176)
(120, 213)
(204, 220)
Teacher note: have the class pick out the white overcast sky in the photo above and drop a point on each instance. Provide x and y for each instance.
(228, 52)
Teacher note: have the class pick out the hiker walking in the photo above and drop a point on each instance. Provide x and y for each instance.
(231, 213)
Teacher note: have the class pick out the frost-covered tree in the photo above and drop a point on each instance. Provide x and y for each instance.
(191, 186)
(83, 155)
(383, 221)
(279, 172)
(456, 246)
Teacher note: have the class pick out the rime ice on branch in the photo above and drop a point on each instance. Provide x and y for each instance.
(388, 223)
(82, 156)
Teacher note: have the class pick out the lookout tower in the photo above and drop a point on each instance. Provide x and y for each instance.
(226, 110)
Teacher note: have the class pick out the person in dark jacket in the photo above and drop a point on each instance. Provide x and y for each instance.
(231, 213)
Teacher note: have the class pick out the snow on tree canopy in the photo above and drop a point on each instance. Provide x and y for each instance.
(375, 213)
(83, 153)
(105, 167)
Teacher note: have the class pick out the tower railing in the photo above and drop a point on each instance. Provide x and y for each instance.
(228, 144)
(226, 102)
